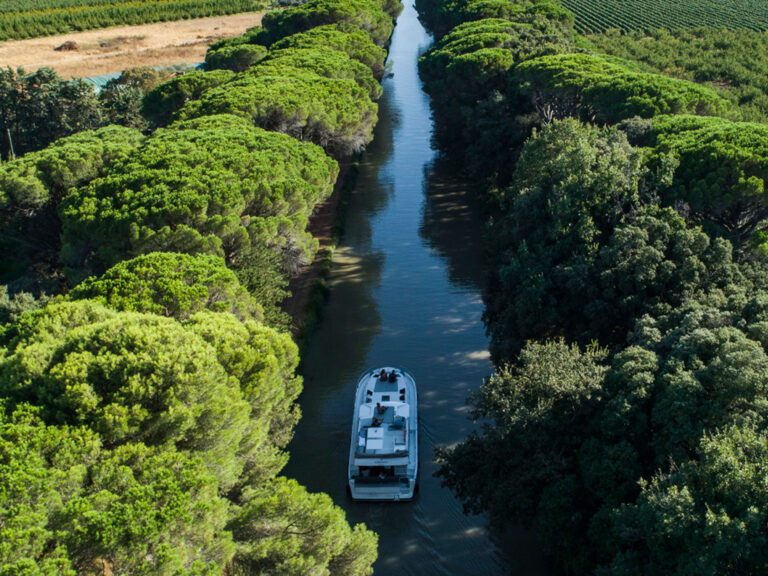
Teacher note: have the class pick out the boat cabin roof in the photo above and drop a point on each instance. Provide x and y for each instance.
(383, 419)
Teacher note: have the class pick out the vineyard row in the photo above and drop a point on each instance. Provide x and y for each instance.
(61, 20)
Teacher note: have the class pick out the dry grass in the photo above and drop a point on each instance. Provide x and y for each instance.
(115, 49)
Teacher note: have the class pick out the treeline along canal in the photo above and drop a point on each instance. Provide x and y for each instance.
(405, 290)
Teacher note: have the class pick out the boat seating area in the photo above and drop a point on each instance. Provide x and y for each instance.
(383, 430)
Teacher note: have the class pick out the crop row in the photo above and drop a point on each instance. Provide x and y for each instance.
(642, 15)
(48, 17)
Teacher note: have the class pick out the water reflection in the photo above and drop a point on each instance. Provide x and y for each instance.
(451, 224)
(405, 290)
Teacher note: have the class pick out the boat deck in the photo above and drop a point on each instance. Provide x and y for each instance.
(383, 461)
(388, 437)
(383, 423)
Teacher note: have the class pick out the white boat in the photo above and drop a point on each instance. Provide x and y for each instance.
(384, 453)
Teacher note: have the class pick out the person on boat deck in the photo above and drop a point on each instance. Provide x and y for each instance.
(375, 422)
(392, 376)
(383, 375)
(380, 409)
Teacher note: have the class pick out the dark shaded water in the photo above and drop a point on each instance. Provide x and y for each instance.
(405, 290)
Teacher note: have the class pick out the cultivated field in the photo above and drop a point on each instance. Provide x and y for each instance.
(35, 18)
(115, 49)
(641, 15)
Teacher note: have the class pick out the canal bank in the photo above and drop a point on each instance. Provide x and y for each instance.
(405, 289)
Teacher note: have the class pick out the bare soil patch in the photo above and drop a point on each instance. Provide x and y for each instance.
(114, 49)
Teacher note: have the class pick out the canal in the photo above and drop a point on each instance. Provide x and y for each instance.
(405, 290)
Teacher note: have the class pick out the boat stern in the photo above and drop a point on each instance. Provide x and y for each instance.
(390, 490)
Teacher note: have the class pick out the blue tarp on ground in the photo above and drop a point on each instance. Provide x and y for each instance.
(101, 81)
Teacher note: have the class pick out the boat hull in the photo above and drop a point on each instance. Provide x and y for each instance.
(383, 459)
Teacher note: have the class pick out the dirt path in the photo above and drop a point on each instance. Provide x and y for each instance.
(115, 49)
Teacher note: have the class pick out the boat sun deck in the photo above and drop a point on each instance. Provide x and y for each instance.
(384, 453)
(383, 421)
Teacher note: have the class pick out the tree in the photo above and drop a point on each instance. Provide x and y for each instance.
(573, 184)
(366, 15)
(41, 469)
(31, 189)
(162, 102)
(442, 16)
(707, 517)
(474, 57)
(41, 107)
(71, 506)
(215, 185)
(148, 511)
(731, 60)
(335, 113)
(652, 263)
(130, 377)
(235, 57)
(325, 62)
(43, 178)
(263, 361)
(610, 89)
(170, 284)
(535, 417)
(121, 98)
(482, 120)
(720, 174)
(280, 528)
(341, 37)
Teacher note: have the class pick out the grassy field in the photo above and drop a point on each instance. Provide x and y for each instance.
(642, 15)
(35, 18)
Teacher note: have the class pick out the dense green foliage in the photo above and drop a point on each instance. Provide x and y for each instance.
(144, 414)
(372, 16)
(327, 63)
(122, 97)
(344, 38)
(30, 19)
(480, 114)
(335, 113)
(557, 216)
(153, 447)
(732, 61)
(31, 189)
(215, 184)
(72, 506)
(721, 171)
(170, 284)
(441, 16)
(39, 108)
(236, 57)
(35, 180)
(163, 101)
(649, 15)
(42, 107)
(610, 90)
(627, 293)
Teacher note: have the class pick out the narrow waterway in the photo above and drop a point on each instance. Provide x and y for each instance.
(405, 290)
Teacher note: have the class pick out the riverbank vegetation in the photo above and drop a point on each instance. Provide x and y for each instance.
(147, 374)
(626, 297)
(33, 18)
